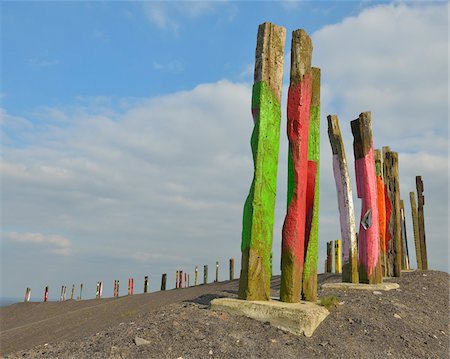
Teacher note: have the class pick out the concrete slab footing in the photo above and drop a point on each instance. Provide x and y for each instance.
(297, 318)
(360, 286)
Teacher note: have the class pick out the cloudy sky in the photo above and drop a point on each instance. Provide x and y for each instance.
(125, 129)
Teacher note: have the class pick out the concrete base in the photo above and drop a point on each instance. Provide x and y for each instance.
(361, 286)
(296, 318)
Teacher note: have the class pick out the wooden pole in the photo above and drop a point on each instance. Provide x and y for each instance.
(366, 186)
(405, 251)
(185, 280)
(394, 221)
(61, 295)
(337, 256)
(195, 275)
(118, 288)
(259, 208)
(309, 291)
(231, 268)
(46, 294)
(329, 258)
(205, 274)
(73, 291)
(188, 281)
(115, 288)
(345, 203)
(421, 221)
(180, 279)
(163, 281)
(298, 120)
(389, 242)
(415, 221)
(146, 284)
(381, 202)
(217, 271)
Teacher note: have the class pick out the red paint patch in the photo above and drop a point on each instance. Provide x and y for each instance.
(310, 188)
(388, 218)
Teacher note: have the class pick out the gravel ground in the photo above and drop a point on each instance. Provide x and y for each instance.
(411, 322)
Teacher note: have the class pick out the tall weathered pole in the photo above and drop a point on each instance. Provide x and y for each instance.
(345, 203)
(298, 119)
(421, 220)
(195, 275)
(231, 268)
(405, 250)
(415, 221)
(205, 274)
(337, 256)
(259, 208)
(381, 209)
(366, 186)
(329, 258)
(163, 281)
(389, 269)
(217, 272)
(390, 164)
(309, 291)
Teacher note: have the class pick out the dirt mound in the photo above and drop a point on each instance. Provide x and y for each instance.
(411, 322)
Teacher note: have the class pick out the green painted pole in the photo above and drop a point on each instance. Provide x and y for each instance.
(259, 208)
(309, 292)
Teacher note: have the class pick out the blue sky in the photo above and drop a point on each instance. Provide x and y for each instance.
(126, 125)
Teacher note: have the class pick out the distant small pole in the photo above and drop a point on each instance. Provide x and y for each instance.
(163, 281)
(185, 279)
(146, 284)
(421, 220)
(46, 294)
(329, 258)
(232, 268)
(27, 294)
(115, 288)
(61, 295)
(188, 281)
(404, 236)
(101, 290)
(180, 279)
(205, 274)
(132, 286)
(337, 256)
(64, 293)
(195, 275)
(118, 287)
(81, 290)
(129, 283)
(73, 291)
(97, 289)
(415, 222)
(177, 279)
(217, 271)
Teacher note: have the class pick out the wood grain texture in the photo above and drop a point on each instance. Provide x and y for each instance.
(415, 221)
(394, 220)
(345, 203)
(421, 221)
(405, 249)
(368, 235)
(381, 209)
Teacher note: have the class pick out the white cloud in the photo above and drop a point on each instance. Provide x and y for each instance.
(171, 66)
(158, 15)
(58, 244)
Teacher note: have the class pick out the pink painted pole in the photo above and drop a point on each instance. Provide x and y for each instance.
(366, 185)
(46, 294)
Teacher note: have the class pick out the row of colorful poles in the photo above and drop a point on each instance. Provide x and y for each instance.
(179, 283)
(380, 248)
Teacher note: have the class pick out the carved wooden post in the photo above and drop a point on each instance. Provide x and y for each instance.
(389, 269)
(369, 236)
(394, 221)
(298, 119)
(195, 275)
(205, 274)
(309, 291)
(231, 268)
(421, 220)
(259, 208)
(415, 221)
(217, 271)
(345, 203)
(337, 256)
(163, 281)
(405, 250)
(381, 209)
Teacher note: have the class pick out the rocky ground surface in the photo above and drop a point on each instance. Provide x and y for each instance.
(410, 322)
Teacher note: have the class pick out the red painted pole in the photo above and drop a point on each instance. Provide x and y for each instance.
(298, 119)
(46, 294)
(366, 186)
(115, 288)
